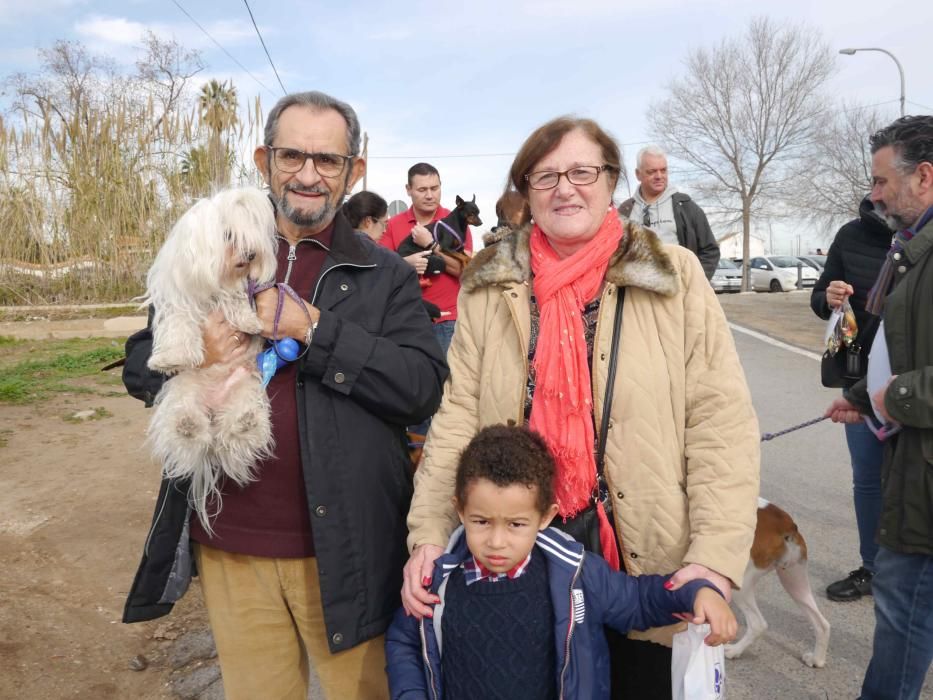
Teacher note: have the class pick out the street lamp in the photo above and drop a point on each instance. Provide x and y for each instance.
(900, 69)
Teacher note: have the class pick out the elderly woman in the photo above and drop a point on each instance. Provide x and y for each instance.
(534, 343)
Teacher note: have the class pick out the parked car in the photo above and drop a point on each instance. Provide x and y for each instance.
(727, 277)
(778, 273)
(815, 261)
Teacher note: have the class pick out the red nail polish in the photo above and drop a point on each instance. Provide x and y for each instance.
(430, 614)
(668, 584)
(426, 581)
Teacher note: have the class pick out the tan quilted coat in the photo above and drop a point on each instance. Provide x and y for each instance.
(682, 454)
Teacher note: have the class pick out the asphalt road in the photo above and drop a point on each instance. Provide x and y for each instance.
(807, 473)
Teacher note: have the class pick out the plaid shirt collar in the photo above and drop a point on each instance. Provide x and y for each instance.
(473, 571)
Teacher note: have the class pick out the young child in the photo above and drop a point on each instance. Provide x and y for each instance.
(522, 607)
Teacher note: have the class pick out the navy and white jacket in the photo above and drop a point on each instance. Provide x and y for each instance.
(585, 593)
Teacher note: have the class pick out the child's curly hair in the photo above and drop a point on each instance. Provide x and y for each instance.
(507, 455)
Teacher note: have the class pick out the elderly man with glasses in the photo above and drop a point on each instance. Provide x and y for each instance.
(671, 214)
(306, 560)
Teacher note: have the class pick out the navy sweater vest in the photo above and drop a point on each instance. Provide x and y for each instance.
(498, 637)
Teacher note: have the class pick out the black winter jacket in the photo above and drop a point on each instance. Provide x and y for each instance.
(373, 367)
(693, 230)
(855, 257)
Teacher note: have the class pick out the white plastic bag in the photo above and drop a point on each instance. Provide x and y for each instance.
(697, 670)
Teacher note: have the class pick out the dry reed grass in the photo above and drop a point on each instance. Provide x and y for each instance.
(89, 191)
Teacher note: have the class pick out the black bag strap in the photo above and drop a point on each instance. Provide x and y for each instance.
(610, 381)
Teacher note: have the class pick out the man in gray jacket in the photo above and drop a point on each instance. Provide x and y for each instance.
(671, 214)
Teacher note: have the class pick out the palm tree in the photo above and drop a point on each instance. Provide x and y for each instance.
(217, 104)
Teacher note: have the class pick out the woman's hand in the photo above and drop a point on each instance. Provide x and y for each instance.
(418, 260)
(416, 598)
(695, 571)
(222, 342)
(837, 292)
(709, 606)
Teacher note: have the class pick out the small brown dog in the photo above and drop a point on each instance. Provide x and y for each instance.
(779, 547)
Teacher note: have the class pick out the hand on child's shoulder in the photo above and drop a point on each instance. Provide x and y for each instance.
(710, 607)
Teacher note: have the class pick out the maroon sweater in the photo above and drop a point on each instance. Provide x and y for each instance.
(269, 516)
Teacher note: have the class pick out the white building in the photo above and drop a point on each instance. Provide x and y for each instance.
(730, 245)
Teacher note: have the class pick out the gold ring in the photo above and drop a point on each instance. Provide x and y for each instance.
(236, 338)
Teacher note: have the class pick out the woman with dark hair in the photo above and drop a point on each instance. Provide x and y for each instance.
(666, 478)
(367, 212)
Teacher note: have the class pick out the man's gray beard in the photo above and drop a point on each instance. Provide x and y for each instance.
(299, 218)
(897, 222)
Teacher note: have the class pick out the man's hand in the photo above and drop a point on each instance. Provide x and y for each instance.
(416, 598)
(694, 571)
(837, 292)
(421, 236)
(709, 606)
(294, 320)
(843, 411)
(419, 261)
(222, 342)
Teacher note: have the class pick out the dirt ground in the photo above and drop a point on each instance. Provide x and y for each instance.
(75, 504)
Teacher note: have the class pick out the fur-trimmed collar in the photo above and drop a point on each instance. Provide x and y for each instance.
(640, 261)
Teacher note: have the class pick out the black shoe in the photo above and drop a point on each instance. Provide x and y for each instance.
(852, 587)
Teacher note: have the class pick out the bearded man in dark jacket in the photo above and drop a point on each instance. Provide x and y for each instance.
(902, 177)
(306, 560)
(852, 266)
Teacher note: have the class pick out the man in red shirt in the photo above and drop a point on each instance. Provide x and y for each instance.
(424, 189)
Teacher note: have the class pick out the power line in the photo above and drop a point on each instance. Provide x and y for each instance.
(284, 91)
(917, 104)
(229, 55)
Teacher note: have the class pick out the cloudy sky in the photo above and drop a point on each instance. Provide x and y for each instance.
(461, 84)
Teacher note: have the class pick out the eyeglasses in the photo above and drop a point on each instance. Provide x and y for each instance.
(580, 175)
(291, 160)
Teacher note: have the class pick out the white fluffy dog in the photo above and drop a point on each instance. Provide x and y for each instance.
(212, 422)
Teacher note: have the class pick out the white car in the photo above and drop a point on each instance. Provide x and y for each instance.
(816, 261)
(727, 277)
(779, 273)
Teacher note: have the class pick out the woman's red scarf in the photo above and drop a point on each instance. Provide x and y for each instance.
(562, 405)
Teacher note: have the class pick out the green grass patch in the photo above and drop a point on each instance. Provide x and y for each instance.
(34, 370)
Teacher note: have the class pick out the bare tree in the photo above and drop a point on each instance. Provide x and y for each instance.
(164, 73)
(744, 113)
(827, 192)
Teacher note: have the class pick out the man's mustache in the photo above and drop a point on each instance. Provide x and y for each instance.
(306, 190)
